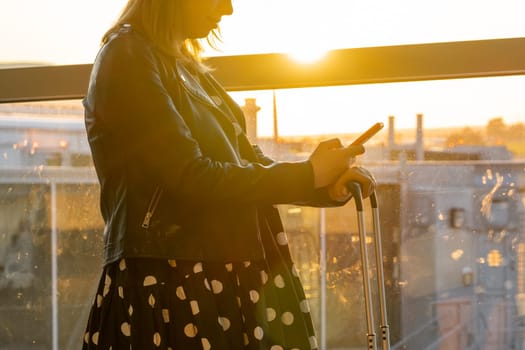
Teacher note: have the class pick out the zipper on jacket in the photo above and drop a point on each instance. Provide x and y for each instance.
(259, 238)
(154, 202)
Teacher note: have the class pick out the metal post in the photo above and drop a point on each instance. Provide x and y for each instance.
(322, 248)
(355, 189)
(385, 329)
(54, 268)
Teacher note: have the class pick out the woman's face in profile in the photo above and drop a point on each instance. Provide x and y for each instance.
(202, 16)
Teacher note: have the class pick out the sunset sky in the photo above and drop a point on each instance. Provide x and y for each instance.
(68, 32)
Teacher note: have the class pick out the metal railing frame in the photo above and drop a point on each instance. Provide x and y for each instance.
(402, 63)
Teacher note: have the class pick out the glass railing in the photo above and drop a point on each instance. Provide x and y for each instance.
(451, 179)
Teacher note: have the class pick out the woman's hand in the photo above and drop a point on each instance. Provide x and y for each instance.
(338, 190)
(330, 159)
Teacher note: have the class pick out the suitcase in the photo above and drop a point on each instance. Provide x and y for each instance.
(355, 189)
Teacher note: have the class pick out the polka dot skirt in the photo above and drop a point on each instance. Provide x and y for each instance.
(146, 303)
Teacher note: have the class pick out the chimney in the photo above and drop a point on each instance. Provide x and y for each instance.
(250, 110)
(420, 151)
(391, 132)
(275, 122)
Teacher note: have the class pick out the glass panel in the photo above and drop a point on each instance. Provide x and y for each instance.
(451, 203)
(25, 265)
(48, 293)
(69, 32)
(450, 169)
(52, 230)
(79, 249)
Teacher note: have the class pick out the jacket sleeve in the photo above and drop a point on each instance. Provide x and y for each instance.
(319, 197)
(135, 126)
(261, 157)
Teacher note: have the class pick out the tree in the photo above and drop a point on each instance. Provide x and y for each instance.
(516, 132)
(496, 130)
(467, 136)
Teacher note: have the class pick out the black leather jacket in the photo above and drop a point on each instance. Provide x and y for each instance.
(179, 178)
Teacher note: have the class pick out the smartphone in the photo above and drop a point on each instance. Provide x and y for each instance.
(367, 135)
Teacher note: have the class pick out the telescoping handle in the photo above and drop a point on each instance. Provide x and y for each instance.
(355, 190)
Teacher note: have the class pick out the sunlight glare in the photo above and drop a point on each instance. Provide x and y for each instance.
(307, 54)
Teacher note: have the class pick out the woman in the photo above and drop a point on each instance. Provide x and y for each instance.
(195, 255)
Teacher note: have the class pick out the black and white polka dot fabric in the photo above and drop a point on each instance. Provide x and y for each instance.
(146, 303)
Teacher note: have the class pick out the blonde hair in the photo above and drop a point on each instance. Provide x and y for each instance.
(161, 22)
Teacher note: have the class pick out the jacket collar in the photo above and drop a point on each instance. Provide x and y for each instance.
(195, 88)
(191, 84)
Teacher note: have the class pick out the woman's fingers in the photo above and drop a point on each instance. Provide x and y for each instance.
(354, 150)
(366, 180)
(330, 159)
(339, 191)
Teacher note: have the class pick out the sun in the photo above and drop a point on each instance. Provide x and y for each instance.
(307, 55)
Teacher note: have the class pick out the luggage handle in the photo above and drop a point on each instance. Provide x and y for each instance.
(355, 189)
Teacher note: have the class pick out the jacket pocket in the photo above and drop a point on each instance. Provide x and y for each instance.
(152, 206)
